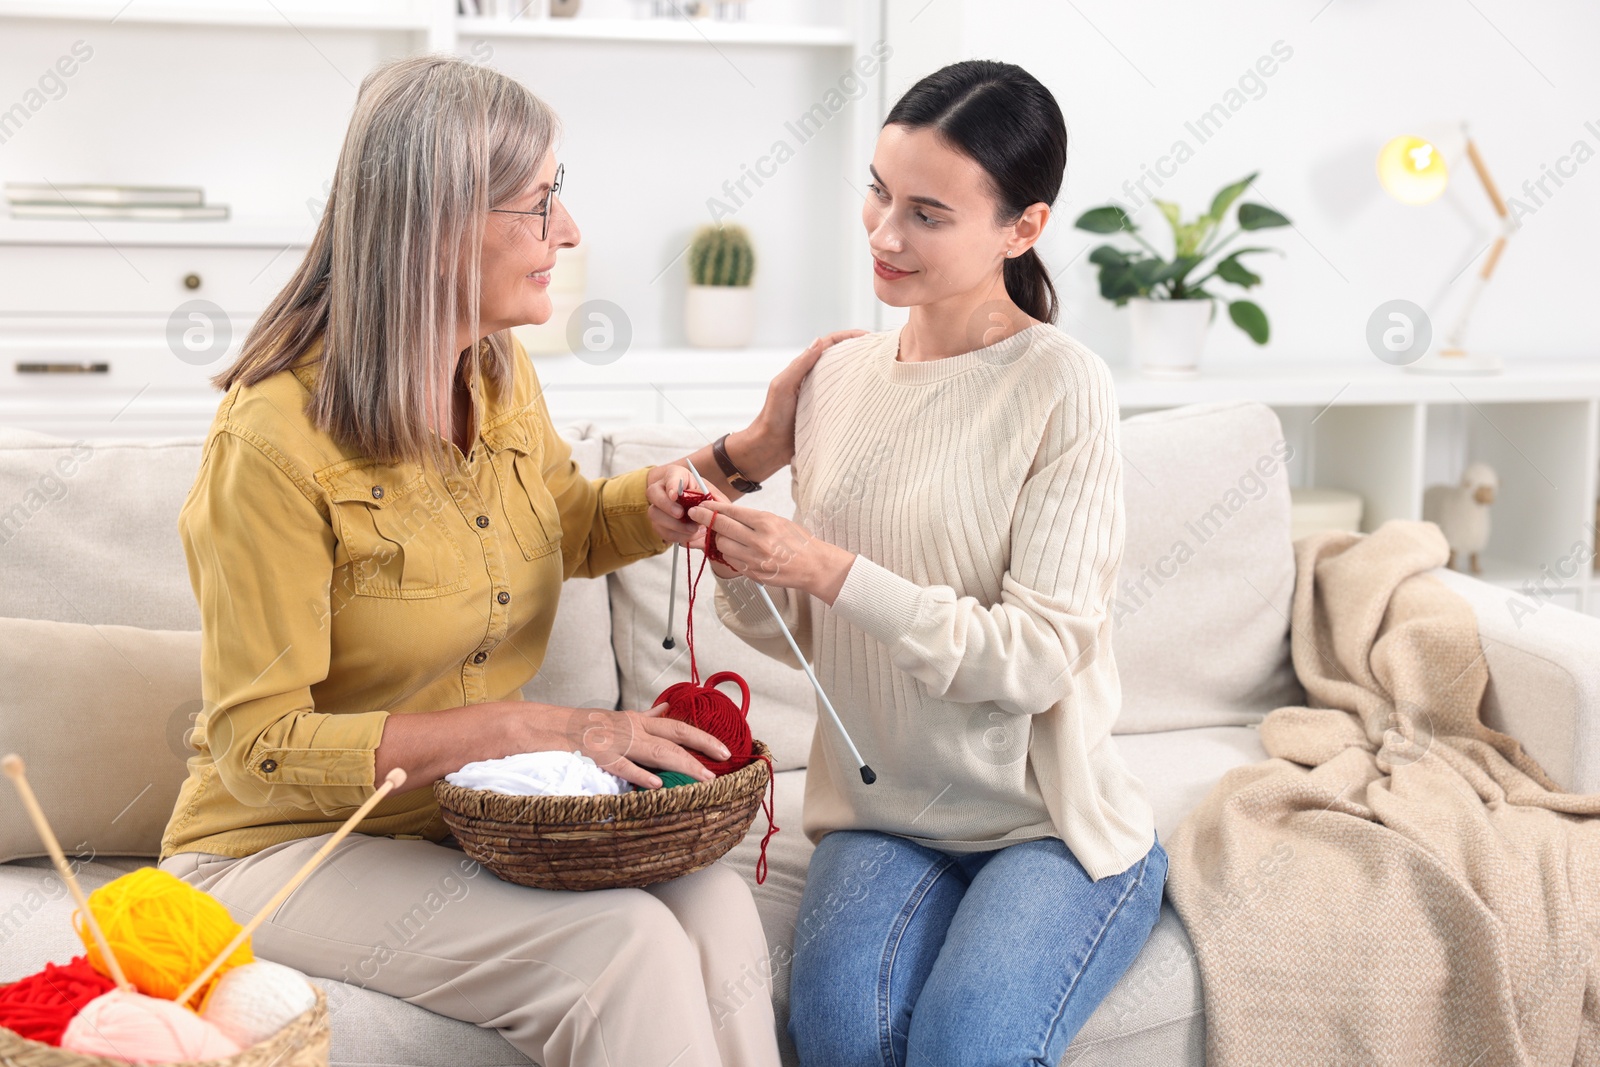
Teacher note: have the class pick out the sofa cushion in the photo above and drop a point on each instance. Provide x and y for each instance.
(579, 668)
(101, 715)
(1201, 615)
(1179, 767)
(89, 533)
(783, 710)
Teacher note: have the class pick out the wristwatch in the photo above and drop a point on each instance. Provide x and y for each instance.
(719, 450)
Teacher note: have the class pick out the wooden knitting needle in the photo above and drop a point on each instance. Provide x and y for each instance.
(17, 771)
(392, 781)
(868, 775)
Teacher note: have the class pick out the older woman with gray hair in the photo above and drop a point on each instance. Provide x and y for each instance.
(377, 538)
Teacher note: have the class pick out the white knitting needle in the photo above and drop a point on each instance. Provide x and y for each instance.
(672, 600)
(391, 781)
(867, 774)
(18, 773)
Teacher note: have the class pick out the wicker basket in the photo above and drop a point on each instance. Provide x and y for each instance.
(630, 840)
(302, 1042)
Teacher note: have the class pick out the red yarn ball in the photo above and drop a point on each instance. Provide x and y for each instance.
(708, 708)
(40, 1006)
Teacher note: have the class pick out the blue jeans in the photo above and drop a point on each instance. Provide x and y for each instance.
(906, 955)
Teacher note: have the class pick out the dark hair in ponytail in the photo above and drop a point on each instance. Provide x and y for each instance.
(1005, 120)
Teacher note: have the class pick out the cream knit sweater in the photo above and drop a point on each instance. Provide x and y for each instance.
(969, 651)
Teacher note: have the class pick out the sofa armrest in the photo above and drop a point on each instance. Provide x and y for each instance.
(1544, 677)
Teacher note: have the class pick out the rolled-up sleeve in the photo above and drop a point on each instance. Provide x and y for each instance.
(260, 553)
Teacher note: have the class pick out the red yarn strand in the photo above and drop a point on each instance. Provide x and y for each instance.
(708, 708)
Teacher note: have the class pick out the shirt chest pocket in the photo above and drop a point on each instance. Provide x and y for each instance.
(392, 533)
(517, 456)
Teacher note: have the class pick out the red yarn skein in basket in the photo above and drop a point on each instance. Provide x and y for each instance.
(40, 1006)
(707, 708)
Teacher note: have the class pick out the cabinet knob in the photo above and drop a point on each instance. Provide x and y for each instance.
(191, 281)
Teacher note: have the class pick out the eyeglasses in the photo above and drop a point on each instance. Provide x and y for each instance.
(542, 212)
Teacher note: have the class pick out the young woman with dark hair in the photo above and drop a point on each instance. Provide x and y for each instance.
(958, 530)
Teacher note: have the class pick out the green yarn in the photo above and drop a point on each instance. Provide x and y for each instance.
(672, 778)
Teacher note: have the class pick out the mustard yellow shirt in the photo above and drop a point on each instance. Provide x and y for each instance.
(335, 591)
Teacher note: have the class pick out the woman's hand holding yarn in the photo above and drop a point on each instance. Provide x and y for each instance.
(667, 516)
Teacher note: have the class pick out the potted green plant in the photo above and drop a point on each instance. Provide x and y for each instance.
(720, 309)
(1172, 308)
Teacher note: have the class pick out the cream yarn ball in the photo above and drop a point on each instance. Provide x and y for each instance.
(131, 1026)
(253, 1001)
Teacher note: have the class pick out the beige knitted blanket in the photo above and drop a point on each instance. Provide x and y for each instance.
(1399, 884)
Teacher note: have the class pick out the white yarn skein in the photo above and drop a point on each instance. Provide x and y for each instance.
(540, 774)
(253, 1001)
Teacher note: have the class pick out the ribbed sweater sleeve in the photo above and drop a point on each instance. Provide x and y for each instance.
(1022, 652)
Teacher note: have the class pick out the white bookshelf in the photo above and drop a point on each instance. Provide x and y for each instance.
(393, 15)
(118, 233)
(702, 31)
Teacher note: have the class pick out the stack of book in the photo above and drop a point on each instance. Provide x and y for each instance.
(144, 203)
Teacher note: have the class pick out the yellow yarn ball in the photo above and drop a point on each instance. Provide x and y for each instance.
(162, 930)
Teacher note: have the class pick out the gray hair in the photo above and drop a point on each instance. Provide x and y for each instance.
(433, 143)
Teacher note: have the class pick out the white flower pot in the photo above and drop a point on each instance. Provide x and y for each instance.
(720, 316)
(1169, 335)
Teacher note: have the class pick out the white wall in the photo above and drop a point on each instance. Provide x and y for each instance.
(1129, 76)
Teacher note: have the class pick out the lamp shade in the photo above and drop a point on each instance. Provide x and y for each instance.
(1412, 169)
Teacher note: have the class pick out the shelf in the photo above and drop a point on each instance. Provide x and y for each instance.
(234, 233)
(667, 31)
(1306, 383)
(266, 16)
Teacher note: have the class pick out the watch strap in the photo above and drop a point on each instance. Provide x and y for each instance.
(719, 451)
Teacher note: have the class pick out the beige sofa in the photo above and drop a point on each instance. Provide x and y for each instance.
(99, 684)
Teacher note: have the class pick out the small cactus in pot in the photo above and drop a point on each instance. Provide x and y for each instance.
(719, 311)
(721, 255)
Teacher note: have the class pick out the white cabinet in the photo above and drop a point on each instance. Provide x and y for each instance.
(115, 329)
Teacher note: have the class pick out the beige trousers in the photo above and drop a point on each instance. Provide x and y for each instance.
(669, 975)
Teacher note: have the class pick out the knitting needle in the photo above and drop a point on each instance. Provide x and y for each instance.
(17, 771)
(672, 601)
(868, 775)
(392, 781)
(672, 591)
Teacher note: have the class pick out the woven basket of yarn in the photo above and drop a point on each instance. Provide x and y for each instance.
(629, 840)
(302, 1042)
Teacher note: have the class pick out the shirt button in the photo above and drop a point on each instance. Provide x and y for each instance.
(480, 657)
(377, 492)
(504, 598)
(483, 522)
(268, 766)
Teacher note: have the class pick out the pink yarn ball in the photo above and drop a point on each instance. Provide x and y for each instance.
(131, 1026)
